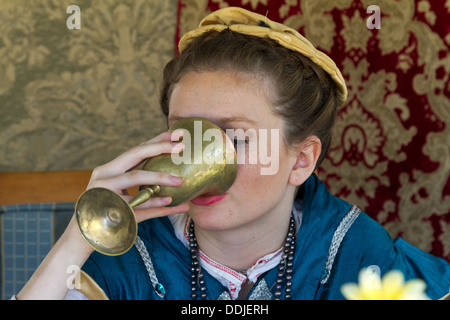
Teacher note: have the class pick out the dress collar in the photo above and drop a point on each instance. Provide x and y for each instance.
(229, 278)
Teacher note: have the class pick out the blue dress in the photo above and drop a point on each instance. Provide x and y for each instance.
(334, 242)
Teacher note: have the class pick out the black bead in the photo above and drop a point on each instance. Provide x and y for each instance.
(286, 263)
(284, 268)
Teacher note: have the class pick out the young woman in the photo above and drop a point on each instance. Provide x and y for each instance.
(272, 236)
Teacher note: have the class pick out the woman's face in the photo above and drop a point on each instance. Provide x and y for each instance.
(235, 100)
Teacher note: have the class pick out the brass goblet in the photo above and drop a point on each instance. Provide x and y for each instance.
(107, 222)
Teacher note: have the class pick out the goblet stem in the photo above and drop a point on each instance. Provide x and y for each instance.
(144, 195)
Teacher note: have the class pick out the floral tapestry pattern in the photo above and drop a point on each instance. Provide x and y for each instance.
(75, 99)
(390, 153)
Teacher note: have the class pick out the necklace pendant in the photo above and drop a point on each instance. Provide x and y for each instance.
(284, 275)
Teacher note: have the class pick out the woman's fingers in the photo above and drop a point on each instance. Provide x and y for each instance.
(148, 213)
(118, 175)
(137, 178)
(166, 136)
(136, 155)
(133, 157)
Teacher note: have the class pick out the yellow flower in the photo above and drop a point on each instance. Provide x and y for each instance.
(391, 287)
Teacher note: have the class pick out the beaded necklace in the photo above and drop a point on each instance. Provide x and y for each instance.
(284, 268)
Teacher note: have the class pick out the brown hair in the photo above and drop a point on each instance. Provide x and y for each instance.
(305, 94)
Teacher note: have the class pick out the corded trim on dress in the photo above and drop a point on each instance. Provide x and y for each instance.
(157, 286)
(338, 236)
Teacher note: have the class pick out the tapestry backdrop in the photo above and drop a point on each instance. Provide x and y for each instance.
(73, 99)
(391, 150)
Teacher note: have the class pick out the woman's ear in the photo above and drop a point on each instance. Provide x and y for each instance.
(307, 152)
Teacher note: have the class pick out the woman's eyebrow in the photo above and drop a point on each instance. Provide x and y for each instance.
(221, 120)
(227, 120)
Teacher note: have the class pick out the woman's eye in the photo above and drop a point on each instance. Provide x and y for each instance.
(237, 142)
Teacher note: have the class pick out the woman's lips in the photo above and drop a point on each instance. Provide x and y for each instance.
(208, 200)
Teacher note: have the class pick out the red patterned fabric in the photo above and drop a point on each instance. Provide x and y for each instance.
(391, 150)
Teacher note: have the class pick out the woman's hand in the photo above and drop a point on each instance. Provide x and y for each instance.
(49, 281)
(120, 174)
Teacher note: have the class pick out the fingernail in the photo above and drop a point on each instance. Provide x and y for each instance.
(177, 135)
(176, 179)
(177, 147)
(166, 200)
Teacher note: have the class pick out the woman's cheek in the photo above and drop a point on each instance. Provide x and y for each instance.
(249, 176)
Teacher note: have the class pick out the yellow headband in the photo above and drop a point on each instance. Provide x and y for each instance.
(246, 22)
